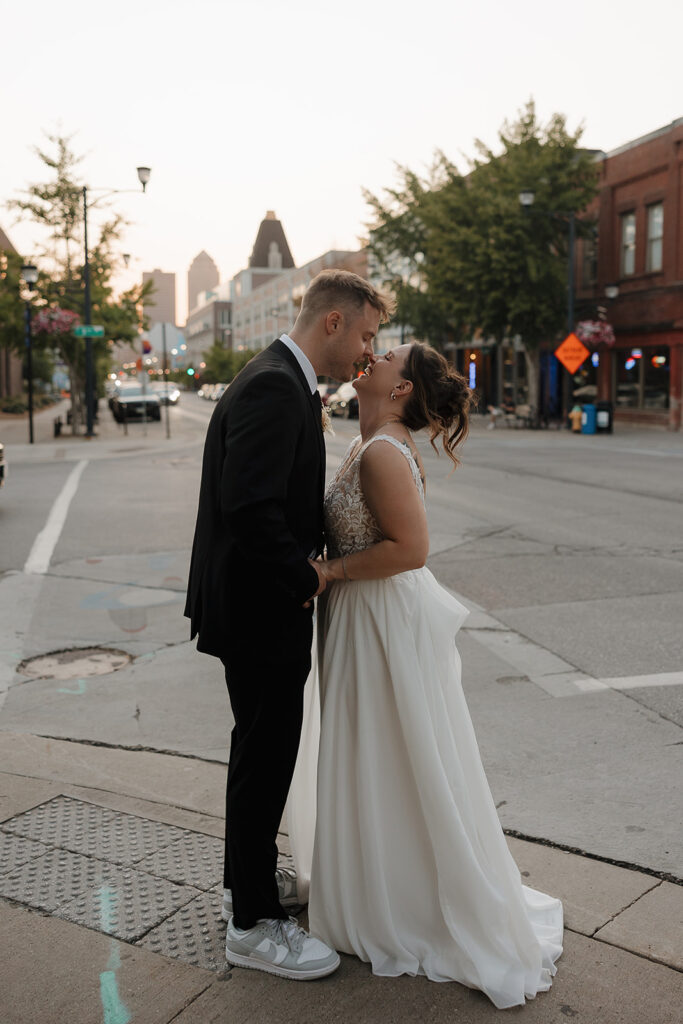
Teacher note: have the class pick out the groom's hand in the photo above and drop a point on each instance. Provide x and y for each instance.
(322, 582)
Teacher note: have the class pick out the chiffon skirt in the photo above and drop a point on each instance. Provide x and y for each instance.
(408, 865)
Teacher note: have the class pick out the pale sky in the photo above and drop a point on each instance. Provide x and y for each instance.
(243, 106)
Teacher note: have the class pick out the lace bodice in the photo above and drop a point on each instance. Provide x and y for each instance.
(349, 524)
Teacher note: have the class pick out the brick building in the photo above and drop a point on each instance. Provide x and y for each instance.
(639, 249)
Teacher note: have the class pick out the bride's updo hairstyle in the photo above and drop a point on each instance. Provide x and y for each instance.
(440, 399)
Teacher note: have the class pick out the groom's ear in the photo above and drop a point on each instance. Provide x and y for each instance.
(333, 322)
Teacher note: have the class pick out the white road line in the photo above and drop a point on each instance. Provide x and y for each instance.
(38, 562)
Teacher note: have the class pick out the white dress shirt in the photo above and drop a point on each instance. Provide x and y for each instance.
(303, 361)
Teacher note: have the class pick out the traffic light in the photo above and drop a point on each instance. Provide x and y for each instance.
(190, 372)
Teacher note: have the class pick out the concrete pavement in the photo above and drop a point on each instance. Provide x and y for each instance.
(622, 962)
(99, 929)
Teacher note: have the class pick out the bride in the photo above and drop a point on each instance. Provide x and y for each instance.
(408, 865)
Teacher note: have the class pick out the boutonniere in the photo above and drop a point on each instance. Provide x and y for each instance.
(326, 421)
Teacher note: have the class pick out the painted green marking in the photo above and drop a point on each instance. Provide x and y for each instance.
(80, 689)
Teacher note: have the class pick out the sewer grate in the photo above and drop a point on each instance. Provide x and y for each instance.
(76, 663)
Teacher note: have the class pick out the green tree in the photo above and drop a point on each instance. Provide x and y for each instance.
(11, 305)
(490, 267)
(223, 364)
(56, 205)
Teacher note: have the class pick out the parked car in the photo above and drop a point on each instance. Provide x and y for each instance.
(169, 394)
(325, 391)
(218, 391)
(207, 391)
(129, 403)
(344, 402)
(3, 465)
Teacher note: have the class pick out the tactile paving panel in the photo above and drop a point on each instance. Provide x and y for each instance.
(16, 851)
(135, 879)
(127, 904)
(92, 830)
(195, 859)
(195, 934)
(54, 879)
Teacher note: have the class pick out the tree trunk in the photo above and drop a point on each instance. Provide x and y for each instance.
(77, 411)
(532, 359)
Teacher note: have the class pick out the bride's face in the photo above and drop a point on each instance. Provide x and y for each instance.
(385, 374)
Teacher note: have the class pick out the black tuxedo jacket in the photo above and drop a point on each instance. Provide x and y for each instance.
(260, 511)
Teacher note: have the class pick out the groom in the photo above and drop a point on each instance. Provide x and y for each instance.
(251, 589)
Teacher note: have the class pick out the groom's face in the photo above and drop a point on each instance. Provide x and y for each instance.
(351, 343)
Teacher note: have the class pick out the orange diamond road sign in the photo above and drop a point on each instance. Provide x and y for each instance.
(572, 353)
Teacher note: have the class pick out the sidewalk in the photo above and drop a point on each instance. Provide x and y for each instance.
(110, 892)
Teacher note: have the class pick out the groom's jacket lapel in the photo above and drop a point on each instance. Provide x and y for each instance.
(260, 505)
(280, 349)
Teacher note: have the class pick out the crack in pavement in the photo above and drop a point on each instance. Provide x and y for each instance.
(628, 905)
(133, 748)
(662, 876)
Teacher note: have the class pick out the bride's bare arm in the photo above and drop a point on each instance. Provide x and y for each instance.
(395, 502)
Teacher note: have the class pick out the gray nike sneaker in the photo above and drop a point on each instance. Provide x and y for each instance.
(286, 885)
(280, 947)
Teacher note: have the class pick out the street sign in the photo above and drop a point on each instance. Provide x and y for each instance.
(89, 331)
(572, 353)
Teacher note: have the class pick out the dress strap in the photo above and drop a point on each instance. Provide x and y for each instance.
(402, 447)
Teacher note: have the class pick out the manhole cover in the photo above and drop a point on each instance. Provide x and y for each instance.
(74, 664)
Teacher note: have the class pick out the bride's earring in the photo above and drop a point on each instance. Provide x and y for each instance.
(393, 396)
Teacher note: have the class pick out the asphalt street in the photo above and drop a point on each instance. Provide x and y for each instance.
(568, 550)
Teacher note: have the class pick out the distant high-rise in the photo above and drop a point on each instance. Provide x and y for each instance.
(160, 306)
(201, 277)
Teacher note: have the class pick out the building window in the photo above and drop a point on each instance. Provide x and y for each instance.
(628, 244)
(642, 378)
(655, 234)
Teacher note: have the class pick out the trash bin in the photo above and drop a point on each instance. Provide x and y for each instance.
(604, 417)
(588, 419)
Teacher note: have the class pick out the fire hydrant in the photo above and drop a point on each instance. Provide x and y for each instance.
(575, 417)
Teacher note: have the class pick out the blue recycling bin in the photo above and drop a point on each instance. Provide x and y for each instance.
(588, 418)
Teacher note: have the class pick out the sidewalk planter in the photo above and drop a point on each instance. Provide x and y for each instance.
(588, 418)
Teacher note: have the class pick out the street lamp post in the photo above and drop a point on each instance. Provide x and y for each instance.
(143, 177)
(30, 276)
(526, 199)
(165, 365)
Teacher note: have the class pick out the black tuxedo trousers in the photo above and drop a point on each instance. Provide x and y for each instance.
(260, 517)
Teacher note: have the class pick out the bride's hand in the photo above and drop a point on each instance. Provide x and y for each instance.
(332, 569)
(322, 581)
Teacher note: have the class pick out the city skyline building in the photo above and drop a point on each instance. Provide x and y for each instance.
(202, 276)
(160, 307)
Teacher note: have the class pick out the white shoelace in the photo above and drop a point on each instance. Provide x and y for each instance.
(287, 933)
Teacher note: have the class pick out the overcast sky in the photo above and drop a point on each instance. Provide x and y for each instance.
(242, 106)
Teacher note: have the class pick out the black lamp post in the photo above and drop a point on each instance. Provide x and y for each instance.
(30, 276)
(143, 177)
(526, 198)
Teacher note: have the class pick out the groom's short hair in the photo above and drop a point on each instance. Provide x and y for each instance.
(342, 290)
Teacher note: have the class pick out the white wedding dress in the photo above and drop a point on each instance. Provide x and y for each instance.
(408, 865)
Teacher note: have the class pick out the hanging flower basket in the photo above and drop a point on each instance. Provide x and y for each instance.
(55, 321)
(595, 332)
